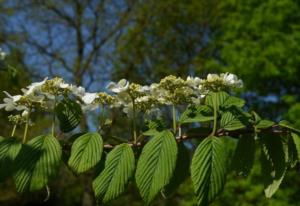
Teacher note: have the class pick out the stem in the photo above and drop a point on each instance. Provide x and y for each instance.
(174, 119)
(53, 118)
(134, 122)
(215, 116)
(26, 128)
(13, 131)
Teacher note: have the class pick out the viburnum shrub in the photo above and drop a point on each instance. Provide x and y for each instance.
(159, 158)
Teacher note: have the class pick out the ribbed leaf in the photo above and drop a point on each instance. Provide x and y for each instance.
(233, 101)
(208, 169)
(244, 155)
(9, 149)
(232, 120)
(154, 127)
(288, 125)
(119, 168)
(264, 124)
(156, 165)
(273, 159)
(296, 140)
(181, 171)
(69, 114)
(37, 163)
(218, 97)
(198, 113)
(86, 152)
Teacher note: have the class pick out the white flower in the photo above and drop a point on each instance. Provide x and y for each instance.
(77, 91)
(89, 107)
(10, 103)
(119, 87)
(34, 87)
(64, 85)
(193, 81)
(25, 113)
(212, 77)
(88, 98)
(231, 79)
(2, 54)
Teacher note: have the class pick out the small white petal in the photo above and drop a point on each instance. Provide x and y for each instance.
(88, 98)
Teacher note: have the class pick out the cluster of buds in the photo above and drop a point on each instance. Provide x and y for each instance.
(18, 119)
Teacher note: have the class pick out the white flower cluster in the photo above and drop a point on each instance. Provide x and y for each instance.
(130, 96)
(2, 54)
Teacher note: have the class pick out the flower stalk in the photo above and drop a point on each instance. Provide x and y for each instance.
(26, 127)
(174, 119)
(13, 130)
(53, 118)
(134, 122)
(215, 115)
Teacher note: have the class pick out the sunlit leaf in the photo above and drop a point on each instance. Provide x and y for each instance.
(118, 169)
(208, 169)
(86, 152)
(156, 165)
(37, 163)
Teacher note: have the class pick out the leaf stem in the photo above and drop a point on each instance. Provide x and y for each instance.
(134, 122)
(215, 115)
(26, 127)
(174, 118)
(13, 130)
(53, 118)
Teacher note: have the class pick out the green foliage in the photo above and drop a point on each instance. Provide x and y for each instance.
(217, 98)
(37, 163)
(9, 149)
(119, 167)
(288, 125)
(156, 165)
(296, 141)
(196, 113)
(86, 152)
(182, 170)
(69, 114)
(264, 124)
(232, 120)
(273, 159)
(208, 169)
(244, 155)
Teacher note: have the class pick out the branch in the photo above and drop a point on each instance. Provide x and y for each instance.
(275, 130)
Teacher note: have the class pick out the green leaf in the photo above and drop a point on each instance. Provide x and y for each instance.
(288, 125)
(119, 167)
(69, 114)
(86, 152)
(223, 100)
(232, 120)
(198, 113)
(182, 170)
(9, 149)
(264, 124)
(292, 153)
(233, 101)
(156, 165)
(154, 127)
(218, 97)
(208, 169)
(244, 155)
(37, 163)
(273, 163)
(296, 140)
